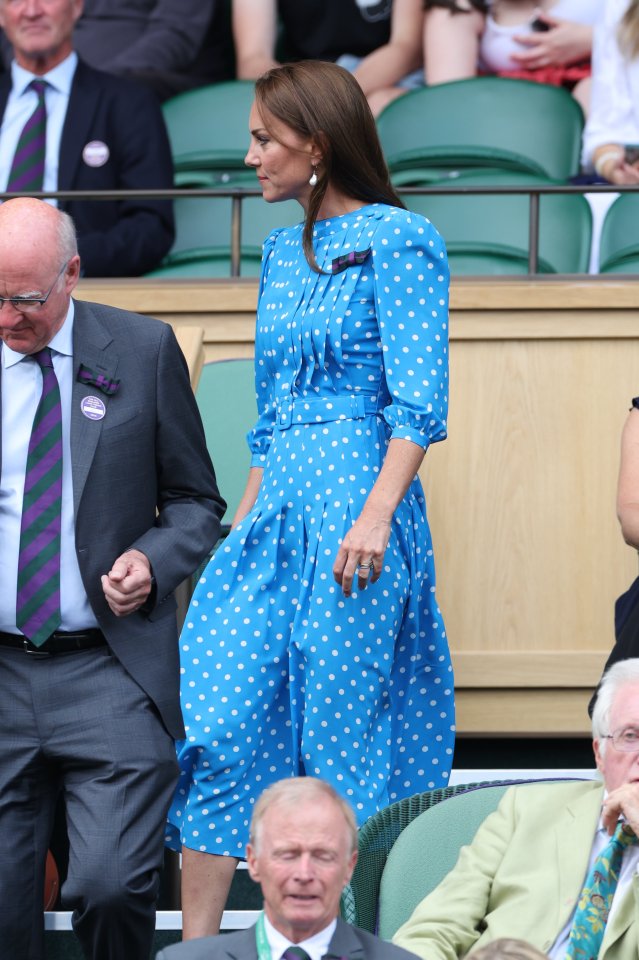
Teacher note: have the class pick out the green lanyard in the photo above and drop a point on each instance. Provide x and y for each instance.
(263, 947)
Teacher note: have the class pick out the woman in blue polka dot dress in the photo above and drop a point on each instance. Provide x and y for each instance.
(313, 643)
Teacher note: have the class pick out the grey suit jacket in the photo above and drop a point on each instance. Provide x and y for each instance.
(142, 478)
(348, 943)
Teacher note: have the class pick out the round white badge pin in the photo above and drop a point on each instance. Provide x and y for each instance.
(93, 408)
(96, 153)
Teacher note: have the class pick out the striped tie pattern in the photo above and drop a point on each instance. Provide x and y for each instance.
(295, 953)
(595, 901)
(38, 596)
(27, 169)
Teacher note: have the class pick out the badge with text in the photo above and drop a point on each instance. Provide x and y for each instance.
(93, 408)
(96, 153)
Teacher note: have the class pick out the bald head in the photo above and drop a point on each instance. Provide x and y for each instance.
(38, 259)
(33, 228)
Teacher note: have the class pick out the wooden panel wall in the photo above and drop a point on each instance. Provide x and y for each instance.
(520, 497)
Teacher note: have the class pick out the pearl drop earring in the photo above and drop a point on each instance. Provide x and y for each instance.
(313, 178)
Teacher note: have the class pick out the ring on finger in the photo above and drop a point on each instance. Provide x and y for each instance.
(366, 566)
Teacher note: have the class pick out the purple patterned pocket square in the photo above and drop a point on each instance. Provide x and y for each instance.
(349, 260)
(99, 380)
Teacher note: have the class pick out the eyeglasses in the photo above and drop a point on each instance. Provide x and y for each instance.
(32, 304)
(626, 740)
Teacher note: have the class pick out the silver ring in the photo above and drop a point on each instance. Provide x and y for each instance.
(366, 566)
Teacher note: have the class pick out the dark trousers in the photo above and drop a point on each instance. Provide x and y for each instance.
(79, 724)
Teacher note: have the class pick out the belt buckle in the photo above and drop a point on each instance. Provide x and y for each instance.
(38, 654)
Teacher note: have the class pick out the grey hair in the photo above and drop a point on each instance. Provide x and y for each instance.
(617, 676)
(293, 791)
(67, 239)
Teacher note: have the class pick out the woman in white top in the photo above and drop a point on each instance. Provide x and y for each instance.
(545, 40)
(611, 136)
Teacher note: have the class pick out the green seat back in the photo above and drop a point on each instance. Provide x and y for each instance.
(484, 122)
(488, 233)
(375, 842)
(204, 224)
(619, 242)
(225, 396)
(427, 850)
(208, 130)
(206, 264)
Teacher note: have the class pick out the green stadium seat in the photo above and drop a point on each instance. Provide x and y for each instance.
(619, 242)
(492, 122)
(489, 233)
(209, 135)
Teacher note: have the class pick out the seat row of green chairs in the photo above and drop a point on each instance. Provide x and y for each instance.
(489, 132)
(481, 122)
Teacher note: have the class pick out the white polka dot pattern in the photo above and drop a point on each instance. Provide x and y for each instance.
(281, 674)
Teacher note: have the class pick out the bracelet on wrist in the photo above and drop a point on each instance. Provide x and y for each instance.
(604, 158)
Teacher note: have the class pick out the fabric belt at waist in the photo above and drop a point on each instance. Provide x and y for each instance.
(59, 642)
(324, 409)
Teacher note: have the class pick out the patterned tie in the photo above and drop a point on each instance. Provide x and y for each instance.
(295, 953)
(594, 903)
(38, 599)
(27, 169)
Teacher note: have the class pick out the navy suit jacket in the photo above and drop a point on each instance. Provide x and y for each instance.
(115, 238)
(348, 943)
(142, 478)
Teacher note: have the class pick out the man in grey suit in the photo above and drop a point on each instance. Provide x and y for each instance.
(302, 850)
(89, 669)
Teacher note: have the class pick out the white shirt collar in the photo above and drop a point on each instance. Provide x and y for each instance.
(316, 946)
(62, 342)
(61, 77)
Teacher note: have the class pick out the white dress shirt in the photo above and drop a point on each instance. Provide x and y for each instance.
(316, 946)
(21, 104)
(21, 390)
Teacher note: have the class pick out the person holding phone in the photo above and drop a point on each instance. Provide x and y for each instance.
(548, 41)
(611, 136)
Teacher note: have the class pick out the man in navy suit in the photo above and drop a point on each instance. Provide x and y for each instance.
(302, 850)
(103, 133)
(91, 710)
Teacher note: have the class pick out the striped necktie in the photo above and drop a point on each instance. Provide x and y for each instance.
(595, 901)
(27, 169)
(38, 596)
(295, 953)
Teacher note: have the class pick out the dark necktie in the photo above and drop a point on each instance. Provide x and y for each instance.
(27, 169)
(295, 953)
(38, 596)
(595, 900)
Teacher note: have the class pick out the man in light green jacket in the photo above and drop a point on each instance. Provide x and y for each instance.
(523, 873)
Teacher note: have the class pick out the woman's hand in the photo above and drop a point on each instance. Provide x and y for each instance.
(362, 553)
(565, 42)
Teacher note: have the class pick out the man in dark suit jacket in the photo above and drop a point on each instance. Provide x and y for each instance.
(112, 137)
(93, 711)
(302, 850)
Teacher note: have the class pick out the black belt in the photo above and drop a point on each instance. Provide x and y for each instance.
(58, 642)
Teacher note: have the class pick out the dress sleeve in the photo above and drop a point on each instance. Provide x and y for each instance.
(411, 294)
(259, 438)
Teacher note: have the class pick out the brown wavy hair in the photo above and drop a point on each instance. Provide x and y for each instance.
(323, 101)
(628, 33)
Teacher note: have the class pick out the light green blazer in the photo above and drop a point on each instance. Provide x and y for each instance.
(521, 877)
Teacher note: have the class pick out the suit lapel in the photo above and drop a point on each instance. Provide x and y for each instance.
(345, 943)
(83, 100)
(93, 347)
(242, 945)
(579, 821)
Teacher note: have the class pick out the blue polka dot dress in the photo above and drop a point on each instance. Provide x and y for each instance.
(281, 674)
